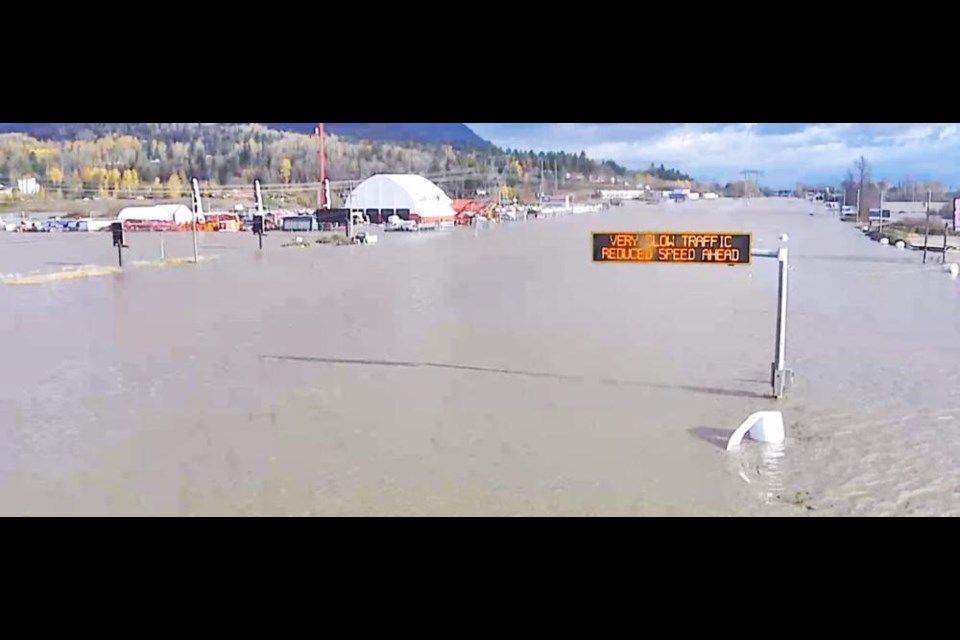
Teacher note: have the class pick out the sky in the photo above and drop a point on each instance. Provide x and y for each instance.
(786, 153)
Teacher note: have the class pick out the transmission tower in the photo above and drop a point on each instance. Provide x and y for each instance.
(751, 182)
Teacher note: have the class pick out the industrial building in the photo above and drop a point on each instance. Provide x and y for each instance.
(411, 197)
(623, 194)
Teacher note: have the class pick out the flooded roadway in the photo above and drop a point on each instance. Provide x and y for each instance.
(490, 372)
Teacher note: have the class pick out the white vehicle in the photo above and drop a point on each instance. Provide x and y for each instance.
(396, 223)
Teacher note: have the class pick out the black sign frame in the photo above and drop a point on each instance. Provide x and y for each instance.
(730, 248)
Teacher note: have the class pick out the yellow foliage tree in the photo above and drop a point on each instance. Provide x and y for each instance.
(286, 169)
(55, 175)
(174, 186)
(87, 175)
(130, 180)
(115, 177)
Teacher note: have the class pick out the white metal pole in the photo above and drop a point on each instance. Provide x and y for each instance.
(779, 380)
(196, 209)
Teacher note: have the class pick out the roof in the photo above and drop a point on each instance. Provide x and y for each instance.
(401, 191)
(463, 205)
(175, 212)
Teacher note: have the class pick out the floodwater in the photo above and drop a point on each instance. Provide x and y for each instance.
(478, 372)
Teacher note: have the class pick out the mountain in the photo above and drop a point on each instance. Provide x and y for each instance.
(455, 134)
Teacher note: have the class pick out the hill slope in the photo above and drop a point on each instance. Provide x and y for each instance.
(435, 132)
(456, 134)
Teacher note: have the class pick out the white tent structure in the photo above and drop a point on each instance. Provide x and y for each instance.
(408, 196)
(177, 213)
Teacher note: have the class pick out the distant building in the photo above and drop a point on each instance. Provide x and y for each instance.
(622, 194)
(408, 196)
(555, 202)
(28, 186)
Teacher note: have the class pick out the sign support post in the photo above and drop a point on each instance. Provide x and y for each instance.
(781, 377)
(698, 247)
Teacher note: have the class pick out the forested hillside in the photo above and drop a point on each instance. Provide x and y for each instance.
(158, 159)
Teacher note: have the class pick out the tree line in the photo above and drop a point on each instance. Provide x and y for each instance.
(859, 186)
(158, 159)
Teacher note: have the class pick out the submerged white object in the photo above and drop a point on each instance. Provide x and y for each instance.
(953, 269)
(762, 426)
(784, 237)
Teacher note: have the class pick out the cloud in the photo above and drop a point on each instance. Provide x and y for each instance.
(785, 152)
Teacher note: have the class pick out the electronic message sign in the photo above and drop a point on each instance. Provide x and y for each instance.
(697, 247)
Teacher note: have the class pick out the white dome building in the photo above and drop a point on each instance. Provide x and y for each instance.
(176, 213)
(409, 196)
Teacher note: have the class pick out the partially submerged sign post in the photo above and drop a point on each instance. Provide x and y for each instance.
(116, 230)
(703, 247)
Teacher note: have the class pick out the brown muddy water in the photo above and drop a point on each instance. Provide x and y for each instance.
(478, 372)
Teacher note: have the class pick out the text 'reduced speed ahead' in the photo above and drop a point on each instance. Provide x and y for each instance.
(672, 246)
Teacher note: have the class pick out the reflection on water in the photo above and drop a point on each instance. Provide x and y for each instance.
(498, 372)
(759, 465)
(771, 455)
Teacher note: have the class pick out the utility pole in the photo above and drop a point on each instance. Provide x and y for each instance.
(541, 178)
(556, 178)
(926, 231)
(881, 212)
(322, 161)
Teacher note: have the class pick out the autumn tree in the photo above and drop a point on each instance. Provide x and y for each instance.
(103, 182)
(174, 186)
(286, 168)
(55, 176)
(114, 178)
(88, 177)
(129, 181)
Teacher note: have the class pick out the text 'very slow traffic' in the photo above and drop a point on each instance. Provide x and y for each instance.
(672, 246)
